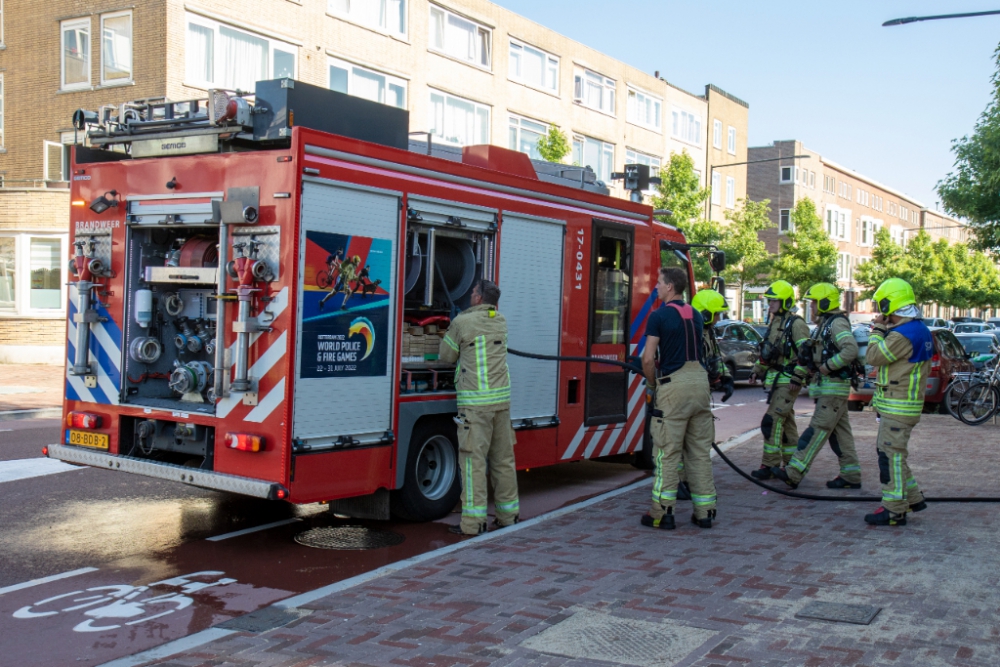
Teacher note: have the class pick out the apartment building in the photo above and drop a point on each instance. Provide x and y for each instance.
(853, 206)
(468, 71)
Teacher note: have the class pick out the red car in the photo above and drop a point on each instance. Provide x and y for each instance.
(949, 358)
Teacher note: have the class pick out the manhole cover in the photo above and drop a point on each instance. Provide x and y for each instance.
(348, 538)
(858, 614)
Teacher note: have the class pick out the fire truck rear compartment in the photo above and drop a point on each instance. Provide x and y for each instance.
(177, 442)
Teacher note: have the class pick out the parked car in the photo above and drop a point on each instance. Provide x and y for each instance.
(971, 327)
(740, 346)
(995, 321)
(981, 348)
(760, 329)
(959, 320)
(936, 322)
(949, 358)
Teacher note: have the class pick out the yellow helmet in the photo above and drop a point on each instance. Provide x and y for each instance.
(781, 290)
(893, 294)
(708, 302)
(826, 296)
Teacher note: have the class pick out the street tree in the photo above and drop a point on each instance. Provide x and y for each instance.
(886, 262)
(747, 258)
(806, 255)
(681, 192)
(971, 190)
(922, 269)
(554, 146)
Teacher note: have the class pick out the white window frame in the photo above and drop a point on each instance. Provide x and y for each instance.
(390, 79)
(845, 266)
(582, 78)
(632, 108)
(607, 152)
(131, 46)
(382, 26)
(477, 105)
(22, 275)
(477, 58)
(2, 102)
(837, 223)
(730, 192)
(655, 163)
(63, 166)
(812, 180)
(785, 218)
(716, 189)
(866, 231)
(717, 133)
(514, 122)
(781, 174)
(213, 25)
(1, 23)
(64, 27)
(731, 140)
(549, 69)
(682, 120)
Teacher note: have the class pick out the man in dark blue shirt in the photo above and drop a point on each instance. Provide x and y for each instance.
(682, 421)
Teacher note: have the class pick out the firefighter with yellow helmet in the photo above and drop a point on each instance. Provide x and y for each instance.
(830, 355)
(900, 347)
(783, 376)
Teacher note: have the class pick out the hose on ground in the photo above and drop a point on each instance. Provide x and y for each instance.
(785, 492)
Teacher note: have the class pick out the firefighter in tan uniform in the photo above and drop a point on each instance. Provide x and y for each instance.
(900, 347)
(783, 377)
(682, 423)
(830, 355)
(477, 340)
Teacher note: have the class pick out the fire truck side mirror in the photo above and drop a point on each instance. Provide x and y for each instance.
(718, 261)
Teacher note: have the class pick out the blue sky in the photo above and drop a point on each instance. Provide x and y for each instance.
(886, 102)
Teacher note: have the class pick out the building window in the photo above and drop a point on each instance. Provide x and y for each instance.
(716, 189)
(533, 67)
(524, 136)
(75, 54)
(116, 48)
(460, 38)
(732, 140)
(785, 224)
(644, 110)
(787, 174)
(844, 268)
(687, 127)
(596, 154)
(1, 109)
(383, 15)
(594, 91)
(866, 231)
(31, 273)
(837, 221)
(56, 166)
(635, 157)
(221, 56)
(360, 81)
(1, 22)
(717, 133)
(730, 192)
(812, 180)
(830, 185)
(845, 191)
(458, 121)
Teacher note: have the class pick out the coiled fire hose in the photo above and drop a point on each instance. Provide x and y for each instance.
(785, 492)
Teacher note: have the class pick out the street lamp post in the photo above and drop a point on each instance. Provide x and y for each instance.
(711, 174)
(915, 19)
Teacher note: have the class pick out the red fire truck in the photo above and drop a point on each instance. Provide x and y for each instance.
(259, 284)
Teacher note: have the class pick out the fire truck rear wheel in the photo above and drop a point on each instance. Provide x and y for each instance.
(643, 459)
(430, 480)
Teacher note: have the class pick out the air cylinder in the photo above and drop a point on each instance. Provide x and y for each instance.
(143, 307)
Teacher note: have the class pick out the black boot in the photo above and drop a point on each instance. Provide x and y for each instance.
(883, 517)
(704, 523)
(457, 530)
(783, 476)
(497, 525)
(762, 473)
(666, 522)
(683, 491)
(839, 482)
(918, 507)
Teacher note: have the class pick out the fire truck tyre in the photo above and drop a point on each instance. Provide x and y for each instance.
(430, 481)
(643, 459)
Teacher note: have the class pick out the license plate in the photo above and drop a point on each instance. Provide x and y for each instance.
(84, 439)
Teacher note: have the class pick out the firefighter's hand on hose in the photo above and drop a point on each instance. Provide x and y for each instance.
(728, 387)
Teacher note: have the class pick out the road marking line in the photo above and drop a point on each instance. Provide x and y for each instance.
(45, 580)
(170, 648)
(247, 531)
(5, 430)
(27, 468)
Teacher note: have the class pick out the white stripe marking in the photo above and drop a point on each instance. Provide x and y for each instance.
(101, 334)
(260, 368)
(610, 442)
(247, 531)
(44, 580)
(28, 468)
(637, 393)
(596, 437)
(574, 443)
(264, 408)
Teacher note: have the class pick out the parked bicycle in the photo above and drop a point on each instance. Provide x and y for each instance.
(981, 400)
(960, 383)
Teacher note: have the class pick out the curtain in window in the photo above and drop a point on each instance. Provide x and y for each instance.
(7, 273)
(437, 28)
(396, 96)
(338, 79)
(369, 12)
(339, 6)
(460, 38)
(76, 55)
(200, 54)
(368, 85)
(396, 15)
(284, 64)
(533, 67)
(244, 59)
(117, 52)
(45, 274)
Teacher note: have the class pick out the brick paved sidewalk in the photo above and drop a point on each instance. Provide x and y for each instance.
(30, 386)
(593, 587)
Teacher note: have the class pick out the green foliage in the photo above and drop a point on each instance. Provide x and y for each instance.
(971, 191)
(747, 258)
(554, 145)
(886, 262)
(806, 255)
(680, 191)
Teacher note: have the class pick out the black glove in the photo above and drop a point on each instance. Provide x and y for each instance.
(728, 387)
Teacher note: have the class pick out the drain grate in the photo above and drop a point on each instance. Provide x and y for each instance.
(264, 619)
(349, 538)
(839, 612)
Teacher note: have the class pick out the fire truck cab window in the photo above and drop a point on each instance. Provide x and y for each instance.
(611, 291)
(609, 329)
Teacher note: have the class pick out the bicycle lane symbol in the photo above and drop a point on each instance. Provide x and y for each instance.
(116, 606)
